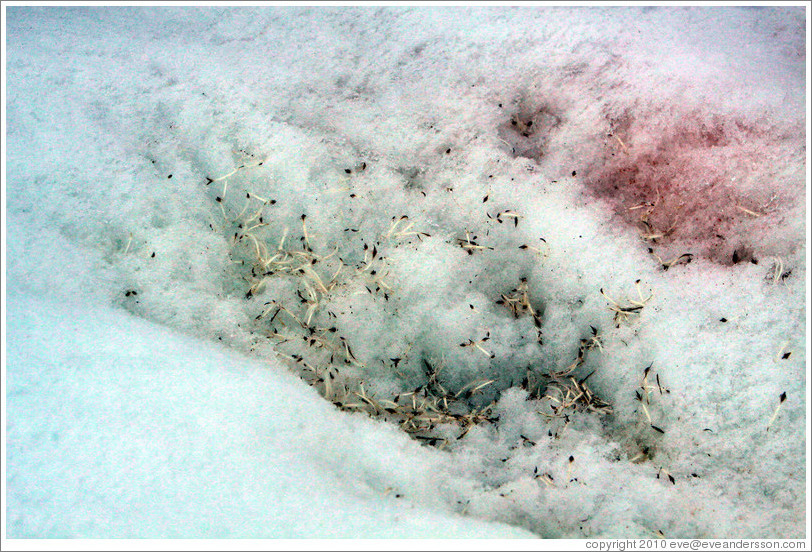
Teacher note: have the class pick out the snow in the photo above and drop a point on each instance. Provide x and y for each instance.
(451, 199)
(134, 431)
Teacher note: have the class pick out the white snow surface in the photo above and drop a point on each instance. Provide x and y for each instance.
(148, 394)
(134, 431)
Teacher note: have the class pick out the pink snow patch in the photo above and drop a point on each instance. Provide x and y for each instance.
(708, 185)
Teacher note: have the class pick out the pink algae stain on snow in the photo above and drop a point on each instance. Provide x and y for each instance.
(693, 183)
